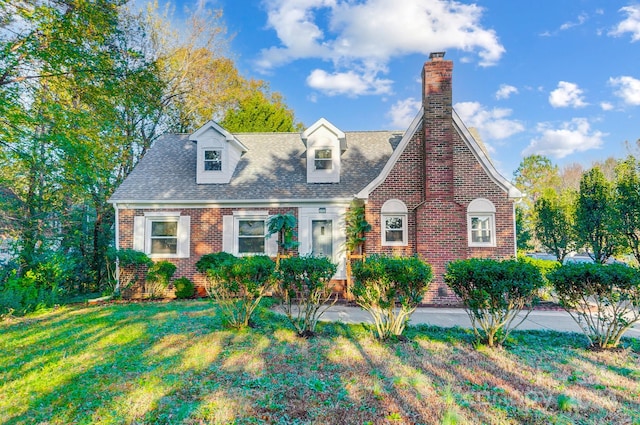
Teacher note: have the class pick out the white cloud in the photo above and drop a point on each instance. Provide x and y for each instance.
(567, 94)
(505, 91)
(364, 36)
(606, 106)
(571, 137)
(403, 112)
(582, 18)
(628, 88)
(492, 124)
(631, 24)
(348, 83)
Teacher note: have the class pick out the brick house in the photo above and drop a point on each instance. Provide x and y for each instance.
(430, 190)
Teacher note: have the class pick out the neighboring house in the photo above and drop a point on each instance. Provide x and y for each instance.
(430, 190)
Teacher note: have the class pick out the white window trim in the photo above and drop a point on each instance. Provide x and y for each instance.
(481, 208)
(144, 233)
(394, 208)
(243, 216)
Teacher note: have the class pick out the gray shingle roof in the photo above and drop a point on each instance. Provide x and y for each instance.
(274, 168)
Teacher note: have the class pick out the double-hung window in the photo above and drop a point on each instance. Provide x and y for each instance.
(393, 219)
(481, 223)
(251, 236)
(213, 160)
(162, 234)
(323, 159)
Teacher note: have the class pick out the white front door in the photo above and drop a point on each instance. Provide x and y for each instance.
(322, 238)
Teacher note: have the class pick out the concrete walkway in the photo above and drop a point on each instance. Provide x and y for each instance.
(556, 320)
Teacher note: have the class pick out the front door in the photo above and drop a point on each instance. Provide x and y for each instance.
(322, 238)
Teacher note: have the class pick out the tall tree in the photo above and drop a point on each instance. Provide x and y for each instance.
(554, 221)
(260, 113)
(534, 175)
(596, 225)
(628, 203)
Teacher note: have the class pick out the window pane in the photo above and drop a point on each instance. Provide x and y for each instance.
(212, 155)
(393, 223)
(164, 228)
(251, 227)
(393, 235)
(164, 246)
(251, 245)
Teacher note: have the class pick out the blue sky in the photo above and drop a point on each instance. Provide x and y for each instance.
(558, 78)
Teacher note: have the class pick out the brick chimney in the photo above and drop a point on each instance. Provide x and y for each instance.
(438, 132)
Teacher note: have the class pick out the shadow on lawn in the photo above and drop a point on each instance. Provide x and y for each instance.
(169, 363)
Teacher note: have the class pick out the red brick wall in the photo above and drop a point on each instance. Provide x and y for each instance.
(205, 235)
(437, 176)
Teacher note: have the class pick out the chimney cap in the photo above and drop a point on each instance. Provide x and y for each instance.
(436, 55)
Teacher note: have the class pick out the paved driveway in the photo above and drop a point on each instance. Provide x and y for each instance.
(450, 317)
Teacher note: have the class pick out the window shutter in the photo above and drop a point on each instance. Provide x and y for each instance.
(184, 236)
(227, 233)
(304, 236)
(138, 233)
(271, 245)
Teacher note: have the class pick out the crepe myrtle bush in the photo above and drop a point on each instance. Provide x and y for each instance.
(494, 294)
(603, 299)
(158, 278)
(238, 285)
(390, 289)
(305, 289)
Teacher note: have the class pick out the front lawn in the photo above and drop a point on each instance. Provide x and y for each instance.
(170, 363)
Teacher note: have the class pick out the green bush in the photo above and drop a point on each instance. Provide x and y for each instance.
(390, 289)
(184, 288)
(129, 262)
(603, 299)
(158, 278)
(22, 295)
(544, 267)
(212, 261)
(494, 294)
(238, 284)
(304, 286)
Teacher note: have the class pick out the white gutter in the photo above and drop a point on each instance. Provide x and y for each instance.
(202, 203)
(116, 290)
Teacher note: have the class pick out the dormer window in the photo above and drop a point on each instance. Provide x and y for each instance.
(213, 160)
(323, 159)
(325, 145)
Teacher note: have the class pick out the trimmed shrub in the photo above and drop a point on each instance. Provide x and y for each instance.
(545, 267)
(184, 288)
(604, 300)
(131, 263)
(212, 261)
(390, 289)
(158, 278)
(304, 287)
(495, 293)
(238, 285)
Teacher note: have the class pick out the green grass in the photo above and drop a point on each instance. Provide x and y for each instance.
(170, 363)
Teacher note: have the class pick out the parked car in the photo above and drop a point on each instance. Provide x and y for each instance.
(542, 256)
